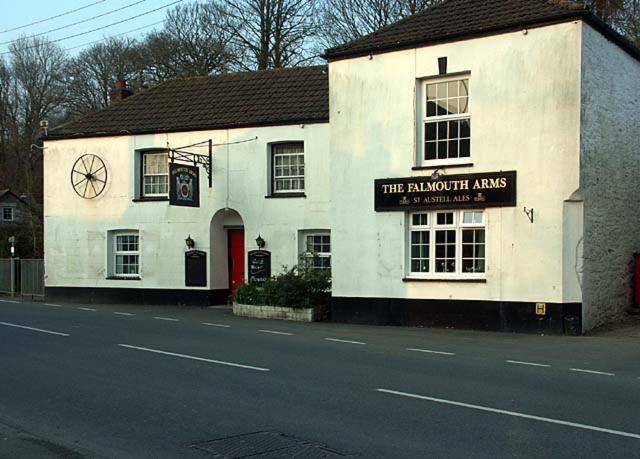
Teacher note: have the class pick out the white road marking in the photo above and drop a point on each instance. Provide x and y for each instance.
(580, 370)
(216, 325)
(191, 357)
(430, 352)
(128, 314)
(513, 413)
(344, 341)
(88, 309)
(10, 301)
(52, 305)
(34, 329)
(169, 319)
(276, 332)
(531, 364)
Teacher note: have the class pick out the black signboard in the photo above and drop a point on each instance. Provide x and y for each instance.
(195, 268)
(494, 189)
(259, 266)
(184, 185)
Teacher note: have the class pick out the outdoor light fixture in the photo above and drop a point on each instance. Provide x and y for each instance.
(260, 242)
(12, 241)
(437, 175)
(190, 242)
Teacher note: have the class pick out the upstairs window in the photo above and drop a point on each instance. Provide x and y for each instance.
(7, 214)
(155, 174)
(288, 167)
(446, 120)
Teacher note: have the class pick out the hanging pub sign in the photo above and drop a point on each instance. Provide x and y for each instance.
(184, 185)
(259, 266)
(493, 189)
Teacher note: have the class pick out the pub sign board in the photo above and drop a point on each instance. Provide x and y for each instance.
(184, 185)
(493, 189)
(259, 266)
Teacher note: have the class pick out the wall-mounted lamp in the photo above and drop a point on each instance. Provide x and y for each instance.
(190, 242)
(12, 241)
(260, 242)
(529, 213)
(437, 175)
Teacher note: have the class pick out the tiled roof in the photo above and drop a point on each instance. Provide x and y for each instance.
(458, 19)
(269, 97)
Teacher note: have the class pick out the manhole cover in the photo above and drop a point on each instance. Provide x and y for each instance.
(266, 445)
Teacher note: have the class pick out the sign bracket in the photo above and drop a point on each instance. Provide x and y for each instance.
(180, 155)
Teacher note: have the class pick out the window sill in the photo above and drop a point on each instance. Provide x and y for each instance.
(285, 195)
(124, 278)
(474, 280)
(152, 199)
(440, 166)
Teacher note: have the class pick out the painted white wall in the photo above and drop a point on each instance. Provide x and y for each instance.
(525, 111)
(610, 157)
(76, 229)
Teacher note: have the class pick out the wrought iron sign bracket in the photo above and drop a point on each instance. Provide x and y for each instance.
(180, 155)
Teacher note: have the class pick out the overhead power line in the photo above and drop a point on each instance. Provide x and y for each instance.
(80, 22)
(116, 35)
(53, 17)
(103, 27)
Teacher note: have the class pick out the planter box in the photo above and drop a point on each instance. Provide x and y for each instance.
(276, 312)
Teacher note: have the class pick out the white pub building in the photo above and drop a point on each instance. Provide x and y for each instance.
(475, 165)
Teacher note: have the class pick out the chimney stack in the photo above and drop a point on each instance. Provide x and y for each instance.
(121, 92)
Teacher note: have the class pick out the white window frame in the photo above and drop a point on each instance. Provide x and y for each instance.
(421, 149)
(274, 178)
(459, 226)
(144, 175)
(309, 255)
(4, 209)
(113, 235)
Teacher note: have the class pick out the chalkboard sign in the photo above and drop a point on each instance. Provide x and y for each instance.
(195, 268)
(259, 266)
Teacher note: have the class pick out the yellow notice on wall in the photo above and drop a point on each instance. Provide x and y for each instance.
(541, 309)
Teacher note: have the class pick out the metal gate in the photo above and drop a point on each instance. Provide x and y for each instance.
(22, 277)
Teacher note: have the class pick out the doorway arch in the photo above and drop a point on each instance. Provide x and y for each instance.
(227, 251)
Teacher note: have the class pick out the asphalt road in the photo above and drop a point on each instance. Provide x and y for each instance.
(131, 381)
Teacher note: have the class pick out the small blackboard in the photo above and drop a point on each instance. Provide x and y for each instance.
(195, 268)
(259, 266)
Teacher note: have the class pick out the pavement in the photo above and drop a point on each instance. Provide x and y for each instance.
(137, 381)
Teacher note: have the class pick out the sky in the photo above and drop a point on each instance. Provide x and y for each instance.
(24, 12)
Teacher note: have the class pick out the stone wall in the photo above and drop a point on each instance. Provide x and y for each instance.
(274, 312)
(610, 175)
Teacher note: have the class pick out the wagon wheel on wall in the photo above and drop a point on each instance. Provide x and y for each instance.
(89, 176)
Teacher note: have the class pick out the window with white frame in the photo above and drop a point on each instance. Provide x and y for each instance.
(446, 243)
(446, 120)
(7, 214)
(125, 260)
(155, 174)
(318, 250)
(288, 167)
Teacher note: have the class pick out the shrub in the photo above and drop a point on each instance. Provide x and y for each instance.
(298, 287)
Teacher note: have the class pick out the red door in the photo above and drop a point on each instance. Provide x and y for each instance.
(236, 259)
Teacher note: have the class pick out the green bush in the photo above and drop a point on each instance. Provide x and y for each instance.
(298, 287)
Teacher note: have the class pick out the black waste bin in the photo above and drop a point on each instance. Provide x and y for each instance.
(572, 326)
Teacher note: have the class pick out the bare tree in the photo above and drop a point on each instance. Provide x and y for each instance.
(272, 33)
(346, 20)
(93, 73)
(195, 41)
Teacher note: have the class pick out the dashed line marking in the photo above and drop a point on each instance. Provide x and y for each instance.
(24, 327)
(531, 364)
(191, 357)
(602, 373)
(52, 305)
(512, 413)
(88, 309)
(10, 301)
(427, 351)
(208, 324)
(168, 319)
(335, 340)
(128, 314)
(276, 332)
